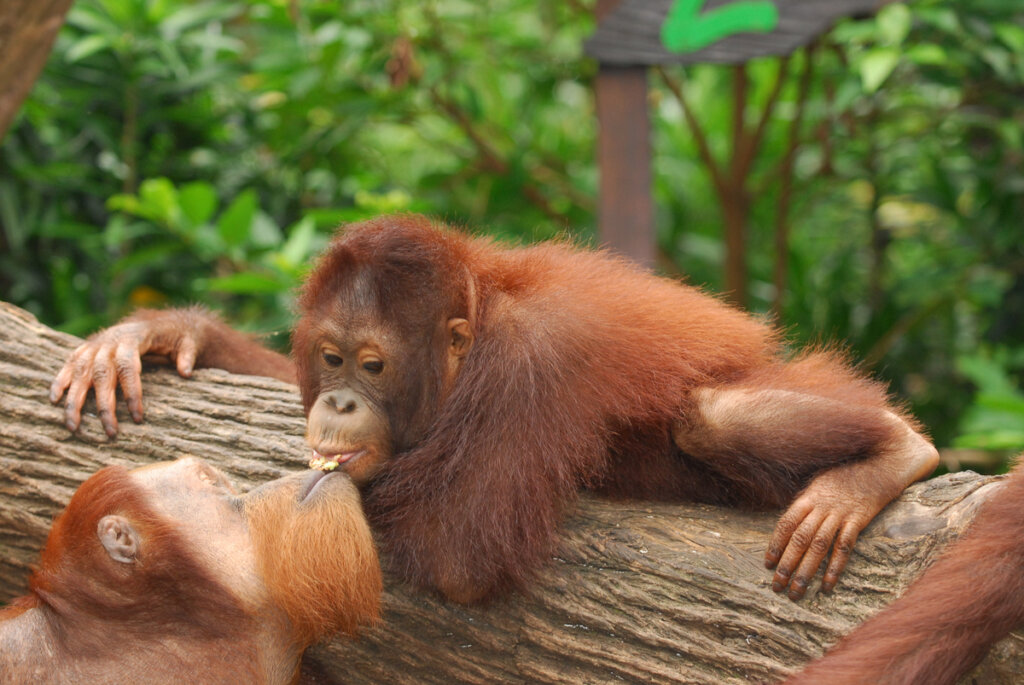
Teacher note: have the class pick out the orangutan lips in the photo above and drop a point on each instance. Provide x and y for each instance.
(323, 462)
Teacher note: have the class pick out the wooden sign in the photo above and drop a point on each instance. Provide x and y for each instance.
(644, 32)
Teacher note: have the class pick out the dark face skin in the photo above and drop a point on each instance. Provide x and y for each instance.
(371, 388)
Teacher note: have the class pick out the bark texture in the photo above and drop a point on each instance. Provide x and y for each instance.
(637, 592)
(27, 31)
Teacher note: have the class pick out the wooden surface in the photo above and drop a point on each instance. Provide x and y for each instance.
(625, 212)
(636, 593)
(625, 200)
(631, 33)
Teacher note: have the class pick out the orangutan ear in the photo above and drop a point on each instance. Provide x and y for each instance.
(119, 538)
(460, 338)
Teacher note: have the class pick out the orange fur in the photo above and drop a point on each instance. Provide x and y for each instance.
(581, 368)
(77, 579)
(165, 617)
(337, 586)
(947, 620)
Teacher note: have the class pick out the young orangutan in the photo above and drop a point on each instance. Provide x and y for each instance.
(165, 575)
(472, 389)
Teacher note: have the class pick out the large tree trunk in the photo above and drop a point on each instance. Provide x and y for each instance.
(27, 31)
(637, 592)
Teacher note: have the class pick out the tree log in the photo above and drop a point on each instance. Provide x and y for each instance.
(637, 592)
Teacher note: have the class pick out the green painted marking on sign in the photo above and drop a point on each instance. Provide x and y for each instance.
(685, 29)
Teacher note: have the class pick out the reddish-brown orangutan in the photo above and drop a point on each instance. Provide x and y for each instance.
(944, 624)
(472, 389)
(165, 575)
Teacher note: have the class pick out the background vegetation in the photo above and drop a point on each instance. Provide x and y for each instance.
(203, 150)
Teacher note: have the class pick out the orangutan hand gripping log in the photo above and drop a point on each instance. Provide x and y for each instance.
(945, 623)
(164, 575)
(472, 389)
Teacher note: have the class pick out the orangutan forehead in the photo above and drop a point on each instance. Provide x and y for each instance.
(370, 304)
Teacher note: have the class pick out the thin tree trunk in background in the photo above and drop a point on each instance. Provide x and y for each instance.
(736, 204)
(636, 592)
(782, 205)
(27, 31)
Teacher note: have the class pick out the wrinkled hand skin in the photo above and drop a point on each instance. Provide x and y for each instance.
(834, 508)
(114, 356)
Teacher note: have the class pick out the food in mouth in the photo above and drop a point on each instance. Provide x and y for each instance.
(323, 462)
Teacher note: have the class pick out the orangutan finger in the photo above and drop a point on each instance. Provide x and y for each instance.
(798, 543)
(186, 359)
(81, 381)
(841, 551)
(784, 529)
(61, 382)
(104, 379)
(813, 557)
(129, 373)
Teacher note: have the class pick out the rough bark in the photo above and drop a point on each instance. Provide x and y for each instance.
(27, 31)
(637, 592)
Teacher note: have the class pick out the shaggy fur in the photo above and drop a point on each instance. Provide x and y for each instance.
(944, 624)
(582, 367)
(317, 561)
(77, 578)
(164, 618)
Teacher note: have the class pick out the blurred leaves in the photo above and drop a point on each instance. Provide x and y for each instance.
(179, 151)
(995, 419)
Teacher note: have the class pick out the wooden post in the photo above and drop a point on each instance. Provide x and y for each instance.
(625, 205)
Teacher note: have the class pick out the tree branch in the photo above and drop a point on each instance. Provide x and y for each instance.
(636, 592)
(703, 148)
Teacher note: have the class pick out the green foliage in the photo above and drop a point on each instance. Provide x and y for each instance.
(995, 419)
(181, 151)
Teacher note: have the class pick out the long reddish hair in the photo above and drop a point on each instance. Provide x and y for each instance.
(166, 590)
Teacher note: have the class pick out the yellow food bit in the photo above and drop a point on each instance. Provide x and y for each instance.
(322, 464)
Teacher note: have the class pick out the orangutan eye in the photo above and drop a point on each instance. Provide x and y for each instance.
(374, 367)
(331, 359)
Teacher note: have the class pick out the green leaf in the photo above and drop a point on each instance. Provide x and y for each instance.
(893, 23)
(248, 282)
(990, 376)
(198, 201)
(191, 16)
(235, 223)
(300, 241)
(1012, 36)
(265, 233)
(123, 202)
(159, 200)
(91, 21)
(876, 65)
(927, 53)
(86, 46)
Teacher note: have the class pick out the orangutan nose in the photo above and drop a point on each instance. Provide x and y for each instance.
(343, 401)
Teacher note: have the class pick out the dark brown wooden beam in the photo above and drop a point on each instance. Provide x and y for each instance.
(625, 204)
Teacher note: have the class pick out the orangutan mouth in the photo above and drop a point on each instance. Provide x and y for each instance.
(329, 462)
